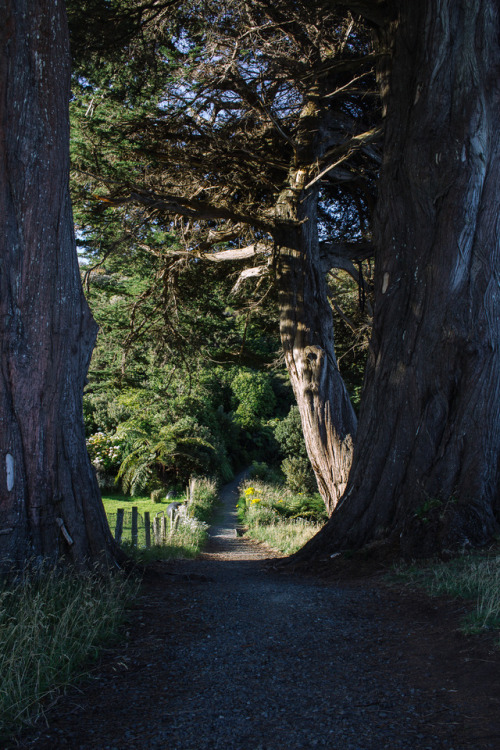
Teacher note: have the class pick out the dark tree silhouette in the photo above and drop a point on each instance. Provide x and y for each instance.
(426, 461)
(50, 504)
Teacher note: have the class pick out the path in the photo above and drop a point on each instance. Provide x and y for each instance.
(224, 655)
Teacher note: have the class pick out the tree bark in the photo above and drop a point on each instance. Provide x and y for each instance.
(426, 463)
(50, 504)
(306, 321)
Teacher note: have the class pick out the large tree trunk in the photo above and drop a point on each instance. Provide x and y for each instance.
(306, 324)
(426, 463)
(50, 504)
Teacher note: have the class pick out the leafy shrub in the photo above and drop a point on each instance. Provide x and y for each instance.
(296, 467)
(257, 498)
(254, 396)
(298, 474)
(278, 517)
(182, 447)
(260, 470)
(288, 433)
(105, 451)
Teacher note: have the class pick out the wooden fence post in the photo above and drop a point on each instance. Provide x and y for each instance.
(119, 525)
(163, 529)
(135, 514)
(147, 529)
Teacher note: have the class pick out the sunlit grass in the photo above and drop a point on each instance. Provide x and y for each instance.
(187, 536)
(282, 519)
(285, 536)
(144, 504)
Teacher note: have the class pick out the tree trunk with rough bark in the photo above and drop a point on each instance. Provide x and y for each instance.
(426, 461)
(306, 323)
(50, 504)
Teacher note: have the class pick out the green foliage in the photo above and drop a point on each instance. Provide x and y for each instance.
(157, 496)
(254, 397)
(52, 624)
(105, 451)
(296, 467)
(261, 470)
(298, 474)
(282, 519)
(205, 499)
(288, 433)
(181, 447)
(263, 503)
(154, 387)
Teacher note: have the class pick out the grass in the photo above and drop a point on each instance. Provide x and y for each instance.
(189, 534)
(285, 536)
(474, 577)
(282, 519)
(52, 624)
(114, 501)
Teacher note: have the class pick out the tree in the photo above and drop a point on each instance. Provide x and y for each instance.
(179, 380)
(50, 503)
(251, 136)
(426, 464)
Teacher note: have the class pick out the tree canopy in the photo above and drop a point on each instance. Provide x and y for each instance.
(230, 162)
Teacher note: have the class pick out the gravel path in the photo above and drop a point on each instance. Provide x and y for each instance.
(230, 656)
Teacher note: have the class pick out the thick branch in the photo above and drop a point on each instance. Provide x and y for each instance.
(341, 254)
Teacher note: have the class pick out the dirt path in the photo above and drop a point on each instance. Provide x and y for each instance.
(224, 655)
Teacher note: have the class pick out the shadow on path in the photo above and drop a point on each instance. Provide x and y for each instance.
(237, 658)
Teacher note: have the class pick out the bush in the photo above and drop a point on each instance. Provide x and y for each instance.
(262, 504)
(105, 452)
(298, 474)
(260, 470)
(282, 519)
(157, 496)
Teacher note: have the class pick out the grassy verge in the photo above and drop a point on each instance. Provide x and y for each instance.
(284, 520)
(474, 577)
(52, 625)
(113, 501)
(185, 539)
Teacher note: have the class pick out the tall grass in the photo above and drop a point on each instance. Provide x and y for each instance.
(186, 536)
(204, 500)
(285, 536)
(282, 519)
(52, 624)
(474, 577)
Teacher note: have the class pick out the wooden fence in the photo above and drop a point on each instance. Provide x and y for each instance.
(139, 529)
